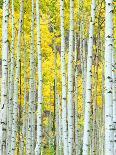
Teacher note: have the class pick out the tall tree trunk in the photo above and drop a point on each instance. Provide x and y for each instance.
(84, 70)
(4, 99)
(39, 108)
(55, 101)
(76, 97)
(95, 100)
(25, 100)
(88, 83)
(11, 85)
(57, 126)
(60, 126)
(70, 80)
(108, 78)
(63, 70)
(16, 82)
(30, 141)
(114, 97)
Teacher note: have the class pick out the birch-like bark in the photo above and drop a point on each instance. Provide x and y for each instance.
(70, 80)
(103, 104)
(88, 83)
(114, 96)
(32, 82)
(82, 51)
(32, 91)
(4, 99)
(76, 97)
(16, 82)
(108, 78)
(60, 126)
(8, 88)
(64, 94)
(25, 102)
(84, 70)
(55, 100)
(39, 108)
(57, 126)
(95, 94)
(11, 85)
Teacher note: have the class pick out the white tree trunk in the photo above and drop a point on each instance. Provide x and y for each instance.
(108, 78)
(25, 117)
(3, 105)
(84, 71)
(11, 85)
(114, 97)
(63, 70)
(16, 82)
(60, 126)
(39, 108)
(88, 100)
(70, 80)
(76, 97)
(30, 139)
(57, 125)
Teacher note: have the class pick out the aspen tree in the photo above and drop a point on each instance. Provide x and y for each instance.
(94, 120)
(63, 70)
(8, 87)
(24, 137)
(114, 94)
(4, 99)
(11, 85)
(57, 126)
(55, 98)
(82, 50)
(103, 105)
(84, 69)
(95, 101)
(108, 77)
(32, 91)
(114, 97)
(39, 108)
(32, 84)
(60, 126)
(76, 97)
(70, 80)
(16, 82)
(88, 83)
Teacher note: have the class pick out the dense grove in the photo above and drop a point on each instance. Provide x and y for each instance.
(58, 77)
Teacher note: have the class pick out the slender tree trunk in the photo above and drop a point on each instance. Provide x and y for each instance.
(16, 82)
(39, 108)
(63, 70)
(25, 100)
(108, 78)
(103, 107)
(95, 107)
(30, 141)
(70, 80)
(76, 97)
(11, 85)
(55, 101)
(57, 126)
(88, 83)
(20, 139)
(8, 106)
(84, 70)
(60, 126)
(114, 96)
(4, 99)
(32, 82)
